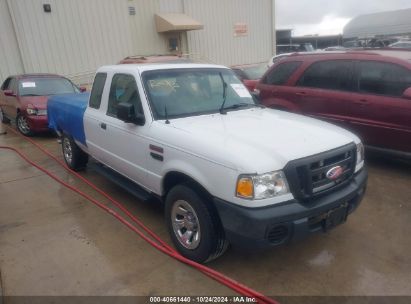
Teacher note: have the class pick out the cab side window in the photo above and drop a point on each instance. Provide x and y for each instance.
(123, 90)
(281, 73)
(383, 78)
(331, 75)
(97, 90)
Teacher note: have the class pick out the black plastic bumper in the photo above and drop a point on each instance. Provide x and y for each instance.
(289, 221)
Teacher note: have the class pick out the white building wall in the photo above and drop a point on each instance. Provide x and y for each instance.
(144, 37)
(10, 60)
(171, 6)
(217, 42)
(75, 38)
(78, 36)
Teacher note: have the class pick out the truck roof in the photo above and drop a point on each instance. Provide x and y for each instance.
(151, 67)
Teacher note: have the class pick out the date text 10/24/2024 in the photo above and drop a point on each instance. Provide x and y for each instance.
(202, 299)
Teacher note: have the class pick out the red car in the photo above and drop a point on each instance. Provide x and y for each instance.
(23, 99)
(250, 74)
(368, 92)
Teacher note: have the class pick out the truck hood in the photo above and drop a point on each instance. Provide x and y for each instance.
(256, 140)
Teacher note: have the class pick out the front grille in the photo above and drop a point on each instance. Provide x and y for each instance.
(308, 176)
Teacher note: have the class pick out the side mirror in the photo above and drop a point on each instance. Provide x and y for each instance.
(83, 89)
(127, 113)
(9, 93)
(407, 93)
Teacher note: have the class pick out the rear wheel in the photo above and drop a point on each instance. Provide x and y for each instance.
(74, 157)
(193, 225)
(23, 125)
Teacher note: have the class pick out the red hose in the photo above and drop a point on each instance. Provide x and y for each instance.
(158, 243)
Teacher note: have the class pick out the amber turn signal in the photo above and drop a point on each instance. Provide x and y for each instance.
(245, 187)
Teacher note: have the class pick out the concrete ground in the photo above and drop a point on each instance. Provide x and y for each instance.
(54, 242)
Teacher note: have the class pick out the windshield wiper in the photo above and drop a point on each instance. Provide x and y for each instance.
(224, 94)
(31, 95)
(241, 105)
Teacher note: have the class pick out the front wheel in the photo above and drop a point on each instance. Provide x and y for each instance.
(74, 157)
(23, 125)
(194, 226)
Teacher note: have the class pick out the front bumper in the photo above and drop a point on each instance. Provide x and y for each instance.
(38, 123)
(289, 221)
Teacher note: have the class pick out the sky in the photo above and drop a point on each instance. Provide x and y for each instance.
(328, 17)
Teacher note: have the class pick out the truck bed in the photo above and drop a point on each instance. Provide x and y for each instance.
(65, 114)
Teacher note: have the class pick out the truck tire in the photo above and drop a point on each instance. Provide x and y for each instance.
(194, 226)
(23, 126)
(75, 158)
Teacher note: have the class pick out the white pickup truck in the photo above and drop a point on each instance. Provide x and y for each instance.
(227, 169)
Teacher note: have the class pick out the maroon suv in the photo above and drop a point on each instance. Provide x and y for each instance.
(23, 99)
(368, 92)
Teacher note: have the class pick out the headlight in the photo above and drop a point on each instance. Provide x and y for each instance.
(263, 186)
(31, 111)
(360, 153)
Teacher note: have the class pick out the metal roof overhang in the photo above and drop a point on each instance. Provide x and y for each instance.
(176, 22)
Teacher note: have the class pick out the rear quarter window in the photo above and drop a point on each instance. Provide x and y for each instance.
(280, 74)
(97, 90)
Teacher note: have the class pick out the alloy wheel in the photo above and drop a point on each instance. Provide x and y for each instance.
(186, 225)
(23, 125)
(67, 150)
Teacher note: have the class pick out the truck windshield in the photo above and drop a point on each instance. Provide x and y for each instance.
(46, 86)
(190, 92)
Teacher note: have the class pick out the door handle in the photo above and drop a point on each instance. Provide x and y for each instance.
(301, 93)
(103, 126)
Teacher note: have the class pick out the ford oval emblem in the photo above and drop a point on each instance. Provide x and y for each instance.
(335, 173)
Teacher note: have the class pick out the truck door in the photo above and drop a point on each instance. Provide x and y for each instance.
(93, 116)
(124, 145)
